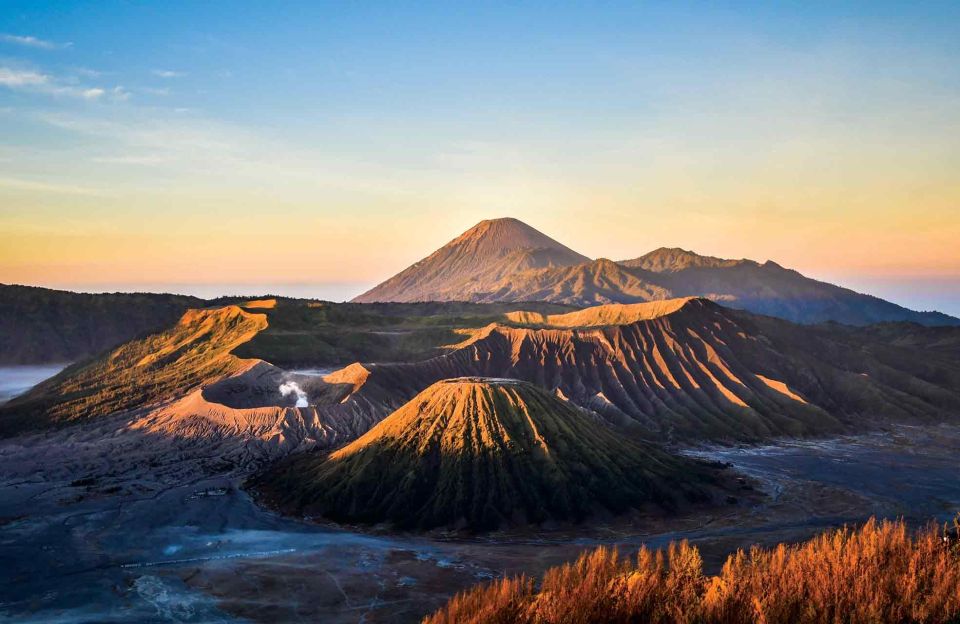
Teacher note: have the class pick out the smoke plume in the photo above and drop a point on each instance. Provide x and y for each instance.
(292, 387)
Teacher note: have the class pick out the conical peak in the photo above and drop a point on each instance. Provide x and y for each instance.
(505, 234)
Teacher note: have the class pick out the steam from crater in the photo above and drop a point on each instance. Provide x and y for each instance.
(292, 387)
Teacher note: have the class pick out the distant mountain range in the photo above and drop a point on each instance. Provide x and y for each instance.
(506, 260)
(497, 261)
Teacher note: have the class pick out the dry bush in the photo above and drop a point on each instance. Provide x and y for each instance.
(879, 573)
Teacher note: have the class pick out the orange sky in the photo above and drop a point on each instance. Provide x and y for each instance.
(298, 243)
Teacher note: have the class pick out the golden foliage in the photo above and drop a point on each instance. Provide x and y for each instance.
(879, 573)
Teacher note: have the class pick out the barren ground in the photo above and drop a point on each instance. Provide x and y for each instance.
(101, 526)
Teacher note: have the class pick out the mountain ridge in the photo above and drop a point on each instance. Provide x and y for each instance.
(44, 325)
(680, 370)
(566, 277)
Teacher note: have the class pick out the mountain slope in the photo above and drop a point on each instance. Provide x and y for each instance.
(770, 289)
(504, 260)
(597, 282)
(40, 325)
(489, 251)
(479, 453)
(685, 369)
(673, 259)
(693, 370)
(162, 366)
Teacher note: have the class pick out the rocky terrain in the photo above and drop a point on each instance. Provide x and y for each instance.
(506, 260)
(686, 369)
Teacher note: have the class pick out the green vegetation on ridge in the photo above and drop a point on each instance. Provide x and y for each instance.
(321, 334)
(477, 453)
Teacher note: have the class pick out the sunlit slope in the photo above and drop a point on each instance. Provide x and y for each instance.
(596, 282)
(701, 371)
(486, 253)
(612, 314)
(479, 453)
(228, 347)
(159, 367)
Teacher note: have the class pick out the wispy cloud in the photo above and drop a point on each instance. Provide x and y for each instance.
(33, 42)
(168, 73)
(18, 78)
(28, 80)
(38, 82)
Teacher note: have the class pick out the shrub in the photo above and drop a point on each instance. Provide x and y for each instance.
(879, 573)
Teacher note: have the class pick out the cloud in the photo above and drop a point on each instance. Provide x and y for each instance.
(168, 73)
(33, 42)
(16, 78)
(37, 82)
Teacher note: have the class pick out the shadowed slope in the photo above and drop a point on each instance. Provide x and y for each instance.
(487, 252)
(481, 452)
(40, 325)
(771, 289)
(761, 288)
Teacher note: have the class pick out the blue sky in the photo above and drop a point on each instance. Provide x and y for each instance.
(302, 143)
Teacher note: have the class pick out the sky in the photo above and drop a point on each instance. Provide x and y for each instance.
(318, 148)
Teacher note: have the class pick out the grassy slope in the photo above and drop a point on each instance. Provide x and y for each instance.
(158, 367)
(477, 454)
(336, 334)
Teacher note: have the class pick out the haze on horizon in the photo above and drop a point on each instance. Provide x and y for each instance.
(225, 145)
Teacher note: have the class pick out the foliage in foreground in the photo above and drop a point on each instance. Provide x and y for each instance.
(879, 573)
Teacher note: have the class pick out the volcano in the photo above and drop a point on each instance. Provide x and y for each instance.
(478, 453)
(486, 253)
(506, 260)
